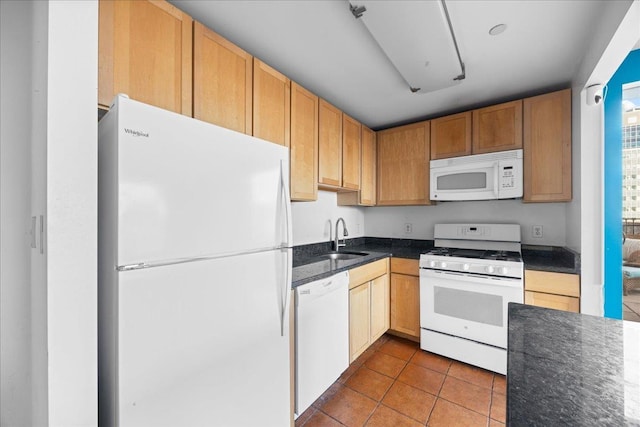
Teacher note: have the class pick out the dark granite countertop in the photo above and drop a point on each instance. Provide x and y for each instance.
(569, 369)
(307, 267)
(551, 258)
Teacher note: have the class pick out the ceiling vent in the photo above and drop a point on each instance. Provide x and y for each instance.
(417, 37)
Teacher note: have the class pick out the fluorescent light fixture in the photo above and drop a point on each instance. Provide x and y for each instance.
(418, 39)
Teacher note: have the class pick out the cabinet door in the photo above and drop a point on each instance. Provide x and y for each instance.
(271, 104)
(558, 302)
(451, 136)
(359, 318)
(368, 165)
(380, 314)
(222, 81)
(304, 144)
(497, 128)
(145, 51)
(403, 165)
(547, 147)
(351, 150)
(329, 145)
(405, 304)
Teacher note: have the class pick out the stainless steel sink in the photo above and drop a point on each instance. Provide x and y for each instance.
(343, 255)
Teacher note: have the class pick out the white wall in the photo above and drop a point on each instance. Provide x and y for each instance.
(390, 221)
(72, 212)
(49, 146)
(314, 222)
(15, 134)
(617, 31)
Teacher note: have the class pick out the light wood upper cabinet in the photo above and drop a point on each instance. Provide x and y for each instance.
(368, 168)
(547, 147)
(497, 128)
(145, 51)
(271, 104)
(403, 165)
(304, 144)
(329, 145)
(451, 136)
(367, 194)
(351, 149)
(222, 81)
(405, 297)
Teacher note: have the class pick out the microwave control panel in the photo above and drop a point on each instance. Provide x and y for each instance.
(507, 177)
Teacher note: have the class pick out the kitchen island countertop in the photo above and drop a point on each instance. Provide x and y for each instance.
(571, 369)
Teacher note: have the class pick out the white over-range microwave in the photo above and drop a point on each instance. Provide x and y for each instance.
(477, 177)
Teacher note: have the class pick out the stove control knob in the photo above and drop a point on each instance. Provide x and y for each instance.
(443, 264)
(504, 270)
(466, 267)
(489, 269)
(432, 264)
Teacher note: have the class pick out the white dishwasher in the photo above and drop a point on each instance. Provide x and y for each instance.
(322, 336)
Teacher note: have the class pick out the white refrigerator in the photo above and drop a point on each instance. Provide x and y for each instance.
(194, 273)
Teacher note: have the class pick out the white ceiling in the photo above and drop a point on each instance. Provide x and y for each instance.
(321, 46)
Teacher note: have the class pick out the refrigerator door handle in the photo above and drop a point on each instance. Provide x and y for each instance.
(286, 200)
(286, 292)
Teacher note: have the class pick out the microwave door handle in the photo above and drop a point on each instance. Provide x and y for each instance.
(496, 175)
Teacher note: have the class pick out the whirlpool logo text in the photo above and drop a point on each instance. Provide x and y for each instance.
(136, 133)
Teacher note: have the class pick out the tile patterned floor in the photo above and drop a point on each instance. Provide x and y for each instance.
(395, 384)
(631, 306)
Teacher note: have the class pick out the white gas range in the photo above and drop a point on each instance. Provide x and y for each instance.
(466, 283)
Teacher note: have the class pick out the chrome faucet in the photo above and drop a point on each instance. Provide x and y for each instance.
(337, 245)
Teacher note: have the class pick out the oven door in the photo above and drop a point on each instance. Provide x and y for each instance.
(468, 306)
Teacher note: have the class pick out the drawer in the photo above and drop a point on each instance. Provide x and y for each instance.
(552, 283)
(557, 302)
(365, 273)
(405, 266)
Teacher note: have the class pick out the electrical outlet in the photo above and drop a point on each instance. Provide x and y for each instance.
(357, 228)
(536, 231)
(408, 228)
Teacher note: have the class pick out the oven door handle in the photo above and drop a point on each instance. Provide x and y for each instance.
(509, 282)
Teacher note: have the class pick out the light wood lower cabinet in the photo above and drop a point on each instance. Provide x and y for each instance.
(368, 305)
(359, 320)
(560, 291)
(380, 307)
(558, 302)
(405, 298)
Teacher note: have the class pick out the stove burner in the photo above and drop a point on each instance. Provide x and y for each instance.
(477, 254)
